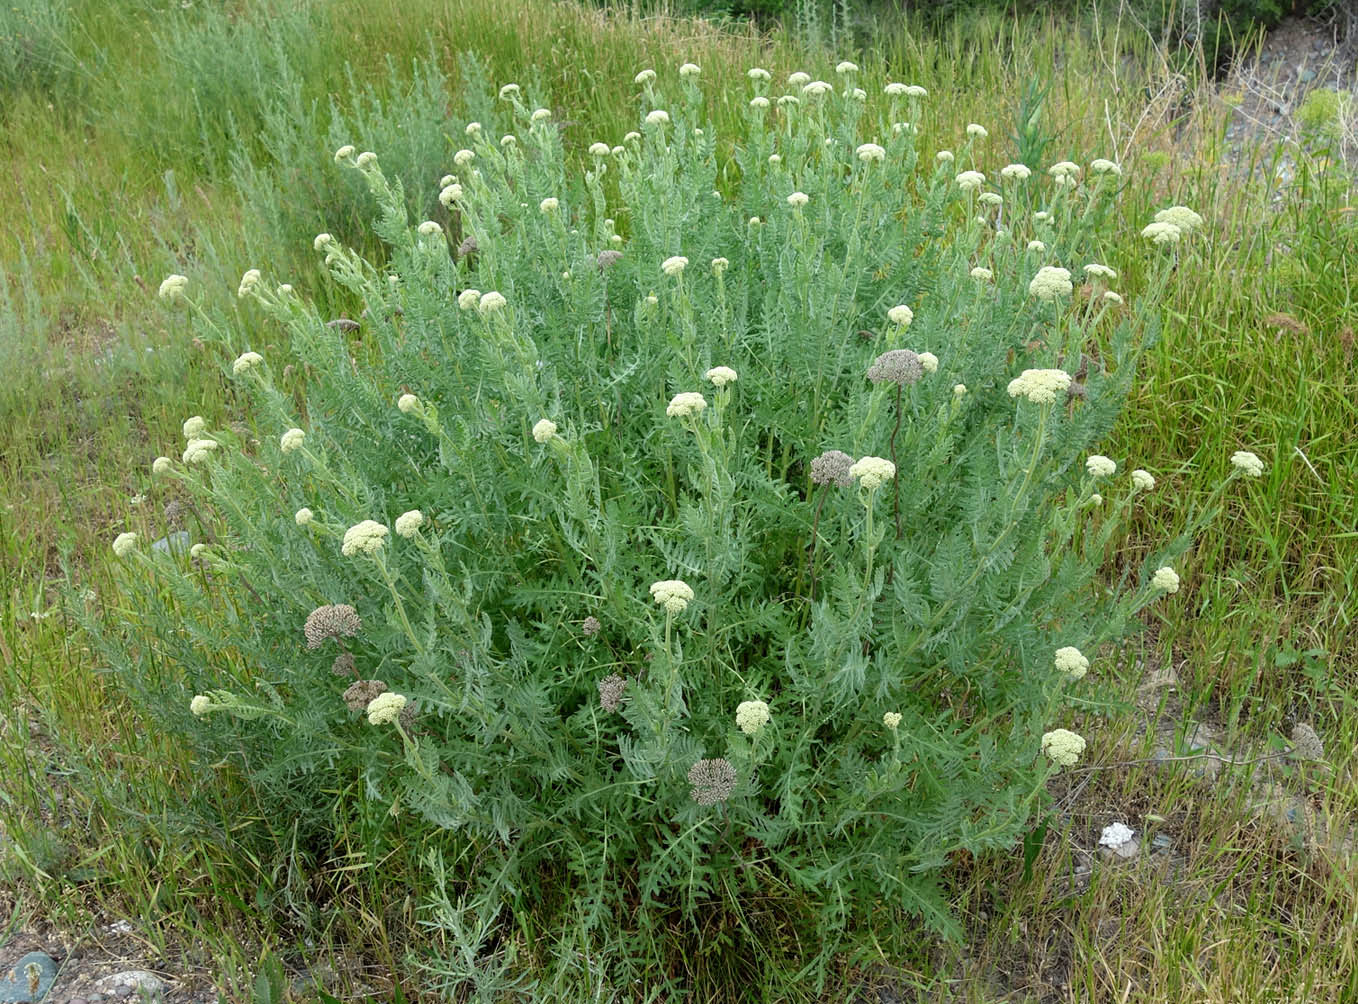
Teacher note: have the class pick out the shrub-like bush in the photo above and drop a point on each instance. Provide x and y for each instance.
(699, 530)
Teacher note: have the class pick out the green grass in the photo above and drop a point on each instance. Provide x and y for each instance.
(142, 138)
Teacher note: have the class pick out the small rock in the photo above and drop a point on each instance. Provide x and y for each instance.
(78, 1000)
(1126, 851)
(124, 983)
(29, 979)
(175, 543)
(120, 927)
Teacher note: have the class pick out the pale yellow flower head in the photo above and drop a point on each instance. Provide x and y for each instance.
(672, 594)
(408, 523)
(970, 181)
(385, 708)
(1181, 216)
(870, 153)
(892, 720)
(720, 376)
(1071, 661)
(752, 716)
(872, 472)
(173, 286)
(198, 450)
(366, 537)
(246, 361)
(1162, 232)
(1063, 747)
(248, 282)
(1142, 481)
(674, 265)
(1165, 579)
(124, 544)
(490, 303)
(1051, 283)
(901, 315)
(291, 440)
(160, 465)
(1100, 466)
(1040, 386)
(544, 430)
(686, 405)
(1244, 460)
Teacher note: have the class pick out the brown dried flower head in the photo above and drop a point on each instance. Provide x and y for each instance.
(407, 716)
(468, 247)
(591, 626)
(174, 514)
(712, 781)
(899, 366)
(607, 259)
(344, 665)
(359, 694)
(333, 620)
(1306, 744)
(832, 467)
(610, 692)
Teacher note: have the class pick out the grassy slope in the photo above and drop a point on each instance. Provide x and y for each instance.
(116, 174)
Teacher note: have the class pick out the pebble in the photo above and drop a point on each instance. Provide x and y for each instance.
(123, 984)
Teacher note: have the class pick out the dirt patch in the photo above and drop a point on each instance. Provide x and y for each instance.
(1267, 92)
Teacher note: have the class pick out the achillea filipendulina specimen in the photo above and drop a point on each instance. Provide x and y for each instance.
(1071, 661)
(1063, 747)
(1051, 282)
(686, 405)
(720, 376)
(198, 450)
(1180, 216)
(872, 472)
(385, 708)
(1040, 386)
(172, 288)
(832, 467)
(752, 716)
(1246, 461)
(359, 693)
(366, 537)
(591, 626)
(1142, 481)
(291, 440)
(672, 594)
(1165, 579)
(608, 258)
(1100, 466)
(334, 620)
(610, 692)
(409, 523)
(899, 366)
(344, 665)
(712, 781)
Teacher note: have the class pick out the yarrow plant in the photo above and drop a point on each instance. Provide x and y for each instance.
(599, 590)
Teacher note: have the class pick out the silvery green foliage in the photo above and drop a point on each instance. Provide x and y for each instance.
(939, 597)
